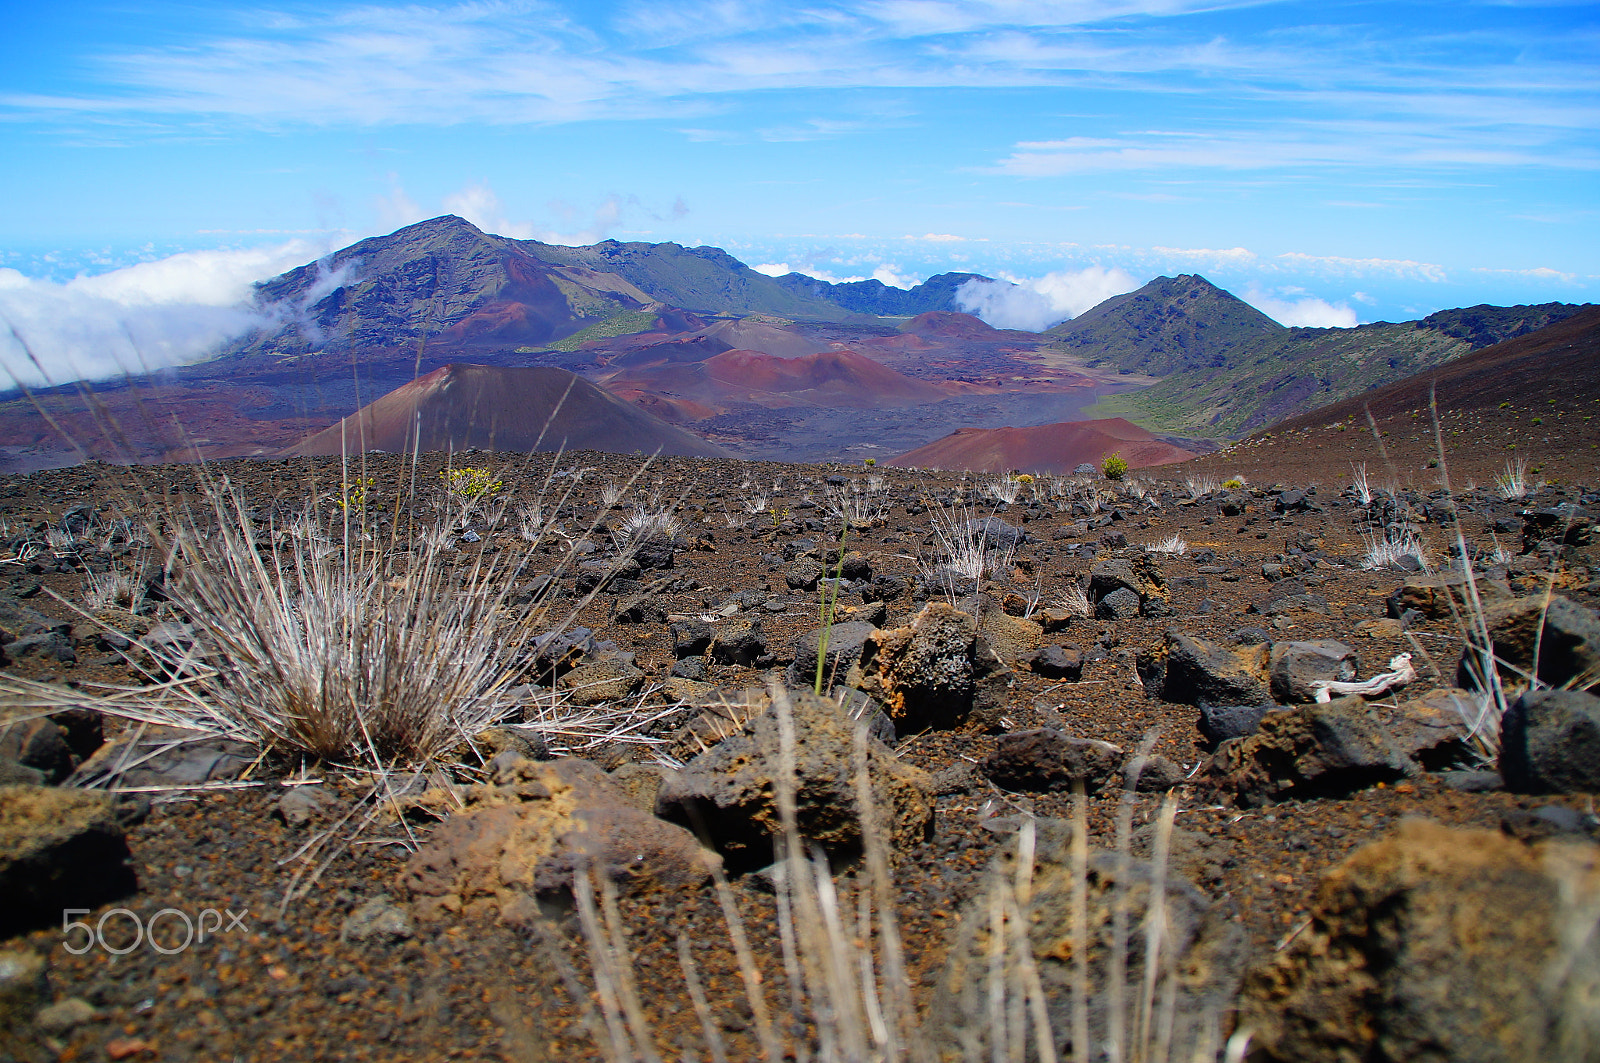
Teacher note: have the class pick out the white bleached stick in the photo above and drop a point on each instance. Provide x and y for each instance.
(1399, 674)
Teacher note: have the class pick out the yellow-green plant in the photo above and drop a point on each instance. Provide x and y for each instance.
(355, 494)
(870, 462)
(470, 482)
(1233, 484)
(467, 488)
(1115, 466)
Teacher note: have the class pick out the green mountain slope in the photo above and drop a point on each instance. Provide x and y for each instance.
(1301, 369)
(1170, 325)
(878, 298)
(706, 279)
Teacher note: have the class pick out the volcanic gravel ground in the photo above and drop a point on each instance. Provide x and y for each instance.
(288, 988)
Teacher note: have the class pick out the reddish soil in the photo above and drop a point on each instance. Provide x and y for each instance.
(492, 408)
(290, 989)
(1055, 448)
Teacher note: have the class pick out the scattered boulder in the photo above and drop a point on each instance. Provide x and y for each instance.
(1335, 748)
(1566, 636)
(1202, 959)
(690, 637)
(995, 533)
(1120, 604)
(526, 836)
(846, 642)
(165, 756)
(1222, 722)
(803, 574)
(1139, 575)
(1057, 662)
(1550, 743)
(40, 744)
(1296, 665)
(604, 678)
(738, 641)
(936, 672)
(1049, 760)
(1012, 638)
(1437, 944)
(1200, 671)
(1444, 596)
(59, 848)
(729, 794)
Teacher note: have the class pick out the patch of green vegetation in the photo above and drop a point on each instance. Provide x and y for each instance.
(623, 324)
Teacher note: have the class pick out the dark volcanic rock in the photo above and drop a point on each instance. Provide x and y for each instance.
(938, 671)
(1202, 672)
(1566, 636)
(1338, 747)
(1296, 665)
(1222, 722)
(1057, 662)
(1049, 760)
(1550, 743)
(846, 643)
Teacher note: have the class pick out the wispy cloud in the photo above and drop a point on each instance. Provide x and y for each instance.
(1320, 95)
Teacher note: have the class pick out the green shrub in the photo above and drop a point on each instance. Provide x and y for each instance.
(1115, 466)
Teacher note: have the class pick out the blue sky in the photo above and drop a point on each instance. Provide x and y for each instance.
(1330, 161)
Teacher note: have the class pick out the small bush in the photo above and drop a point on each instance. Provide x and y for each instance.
(1115, 466)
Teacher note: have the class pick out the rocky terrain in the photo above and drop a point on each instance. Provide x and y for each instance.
(1403, 872)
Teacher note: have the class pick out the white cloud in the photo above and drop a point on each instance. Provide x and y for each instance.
(893, 278)
(1034, 305)
(773, 269)
(938, 238)
(1307, 311)
(151, 315)
(1340, 266)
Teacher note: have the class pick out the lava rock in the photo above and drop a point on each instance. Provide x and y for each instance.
(1431, 944)
(846, 643)
(1550, 743)
(690, 638)
(730, 792)
(1566, 636)
(1051, 761)
(936, 672)
(803, 574)
(1222, 722)
(1200, 671)
(1296, 665)
(1057, 662)
(604, 678)
(59, 848)
(1120, 604)
(1335, 748)
(531, 831)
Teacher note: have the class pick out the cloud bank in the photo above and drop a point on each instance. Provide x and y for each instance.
(155, 314)
(1035, 305)
(1305, 311)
